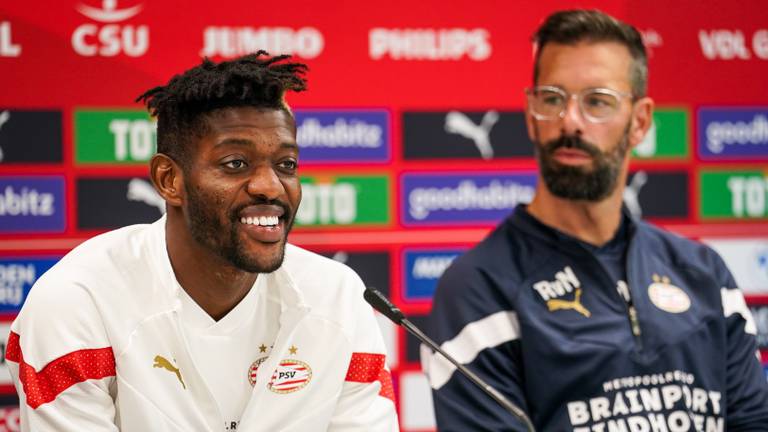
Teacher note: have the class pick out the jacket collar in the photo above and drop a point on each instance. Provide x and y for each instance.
(279, 281)
(523, 220)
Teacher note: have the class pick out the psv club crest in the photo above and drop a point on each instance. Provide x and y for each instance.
(668, 297)
(289, 376)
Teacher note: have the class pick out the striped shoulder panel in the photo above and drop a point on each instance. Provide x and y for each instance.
(475, 337)
(41, 387)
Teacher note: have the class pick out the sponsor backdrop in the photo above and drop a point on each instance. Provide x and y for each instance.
(412, 134)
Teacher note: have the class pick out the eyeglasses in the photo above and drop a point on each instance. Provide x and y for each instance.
(596, 104)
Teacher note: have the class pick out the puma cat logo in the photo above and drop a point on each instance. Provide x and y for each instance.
(4, 116)
(460, 124)
(575, 304)
(162, 362)
(142, 191)
(553, 291)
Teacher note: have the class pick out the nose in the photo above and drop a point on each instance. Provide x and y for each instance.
(265, 184)
(573, 120)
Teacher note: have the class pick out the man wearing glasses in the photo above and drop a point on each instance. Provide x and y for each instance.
(589, 319)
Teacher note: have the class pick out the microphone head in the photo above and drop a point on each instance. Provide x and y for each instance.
(383, 305)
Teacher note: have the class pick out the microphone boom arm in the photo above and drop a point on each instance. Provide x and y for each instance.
(389, 310)
(487, 388)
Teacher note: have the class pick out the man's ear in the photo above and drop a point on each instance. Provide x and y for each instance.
(642, 118)
(168, 179)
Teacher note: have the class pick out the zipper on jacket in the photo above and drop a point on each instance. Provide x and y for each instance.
(634, 322)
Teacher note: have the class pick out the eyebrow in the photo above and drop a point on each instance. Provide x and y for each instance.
(245, 142)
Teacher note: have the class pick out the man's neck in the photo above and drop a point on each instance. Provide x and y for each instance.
(213, 283)
(594, 222)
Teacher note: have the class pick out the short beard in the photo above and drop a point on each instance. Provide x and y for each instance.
(578, 183)
(206, 231)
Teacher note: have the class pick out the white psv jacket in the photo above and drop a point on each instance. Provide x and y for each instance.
(98, 346)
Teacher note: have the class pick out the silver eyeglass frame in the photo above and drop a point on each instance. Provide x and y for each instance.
(529, 92)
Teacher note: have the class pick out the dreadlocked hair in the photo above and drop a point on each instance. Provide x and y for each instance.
(182, 106)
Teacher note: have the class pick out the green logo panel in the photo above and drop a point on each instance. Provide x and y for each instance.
(340, 200)
(668, 137)
(741, 194)
(114, 136)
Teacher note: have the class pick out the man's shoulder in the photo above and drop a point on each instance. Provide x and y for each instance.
(106, 253)
(98, 294)
(319, 277)
(678, 249)
(332, 290)
(98, 270)
(493, 267)
(508, 250)
(302, 264)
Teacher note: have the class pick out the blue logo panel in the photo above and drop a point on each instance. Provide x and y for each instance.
(326, 136)
(729, 132)
(422, 270)
(458, 199)
(17, 275)
(32, 204)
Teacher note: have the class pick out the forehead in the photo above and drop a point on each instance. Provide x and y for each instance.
(266, 122)
(584, 65)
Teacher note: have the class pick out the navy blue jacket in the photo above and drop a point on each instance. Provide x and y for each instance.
(534, 313)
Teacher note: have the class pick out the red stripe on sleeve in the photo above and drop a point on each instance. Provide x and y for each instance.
(387, 390)
(368, 368)
(12, 348)
(78, 366)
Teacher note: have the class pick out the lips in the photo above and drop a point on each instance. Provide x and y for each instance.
(571, 156)
(258, 210)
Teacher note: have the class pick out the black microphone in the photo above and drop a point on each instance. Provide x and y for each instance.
(383, 305)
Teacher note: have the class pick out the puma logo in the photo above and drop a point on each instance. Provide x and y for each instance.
(552, 292)
(458, 123)
(4, 117)
(341, 257)
(162, 362)
(632, 193)
(575, 304)
(142, 191)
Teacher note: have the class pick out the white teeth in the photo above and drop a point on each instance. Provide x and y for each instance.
(260, 220)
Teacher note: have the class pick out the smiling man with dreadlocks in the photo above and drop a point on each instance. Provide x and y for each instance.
(206, 320)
